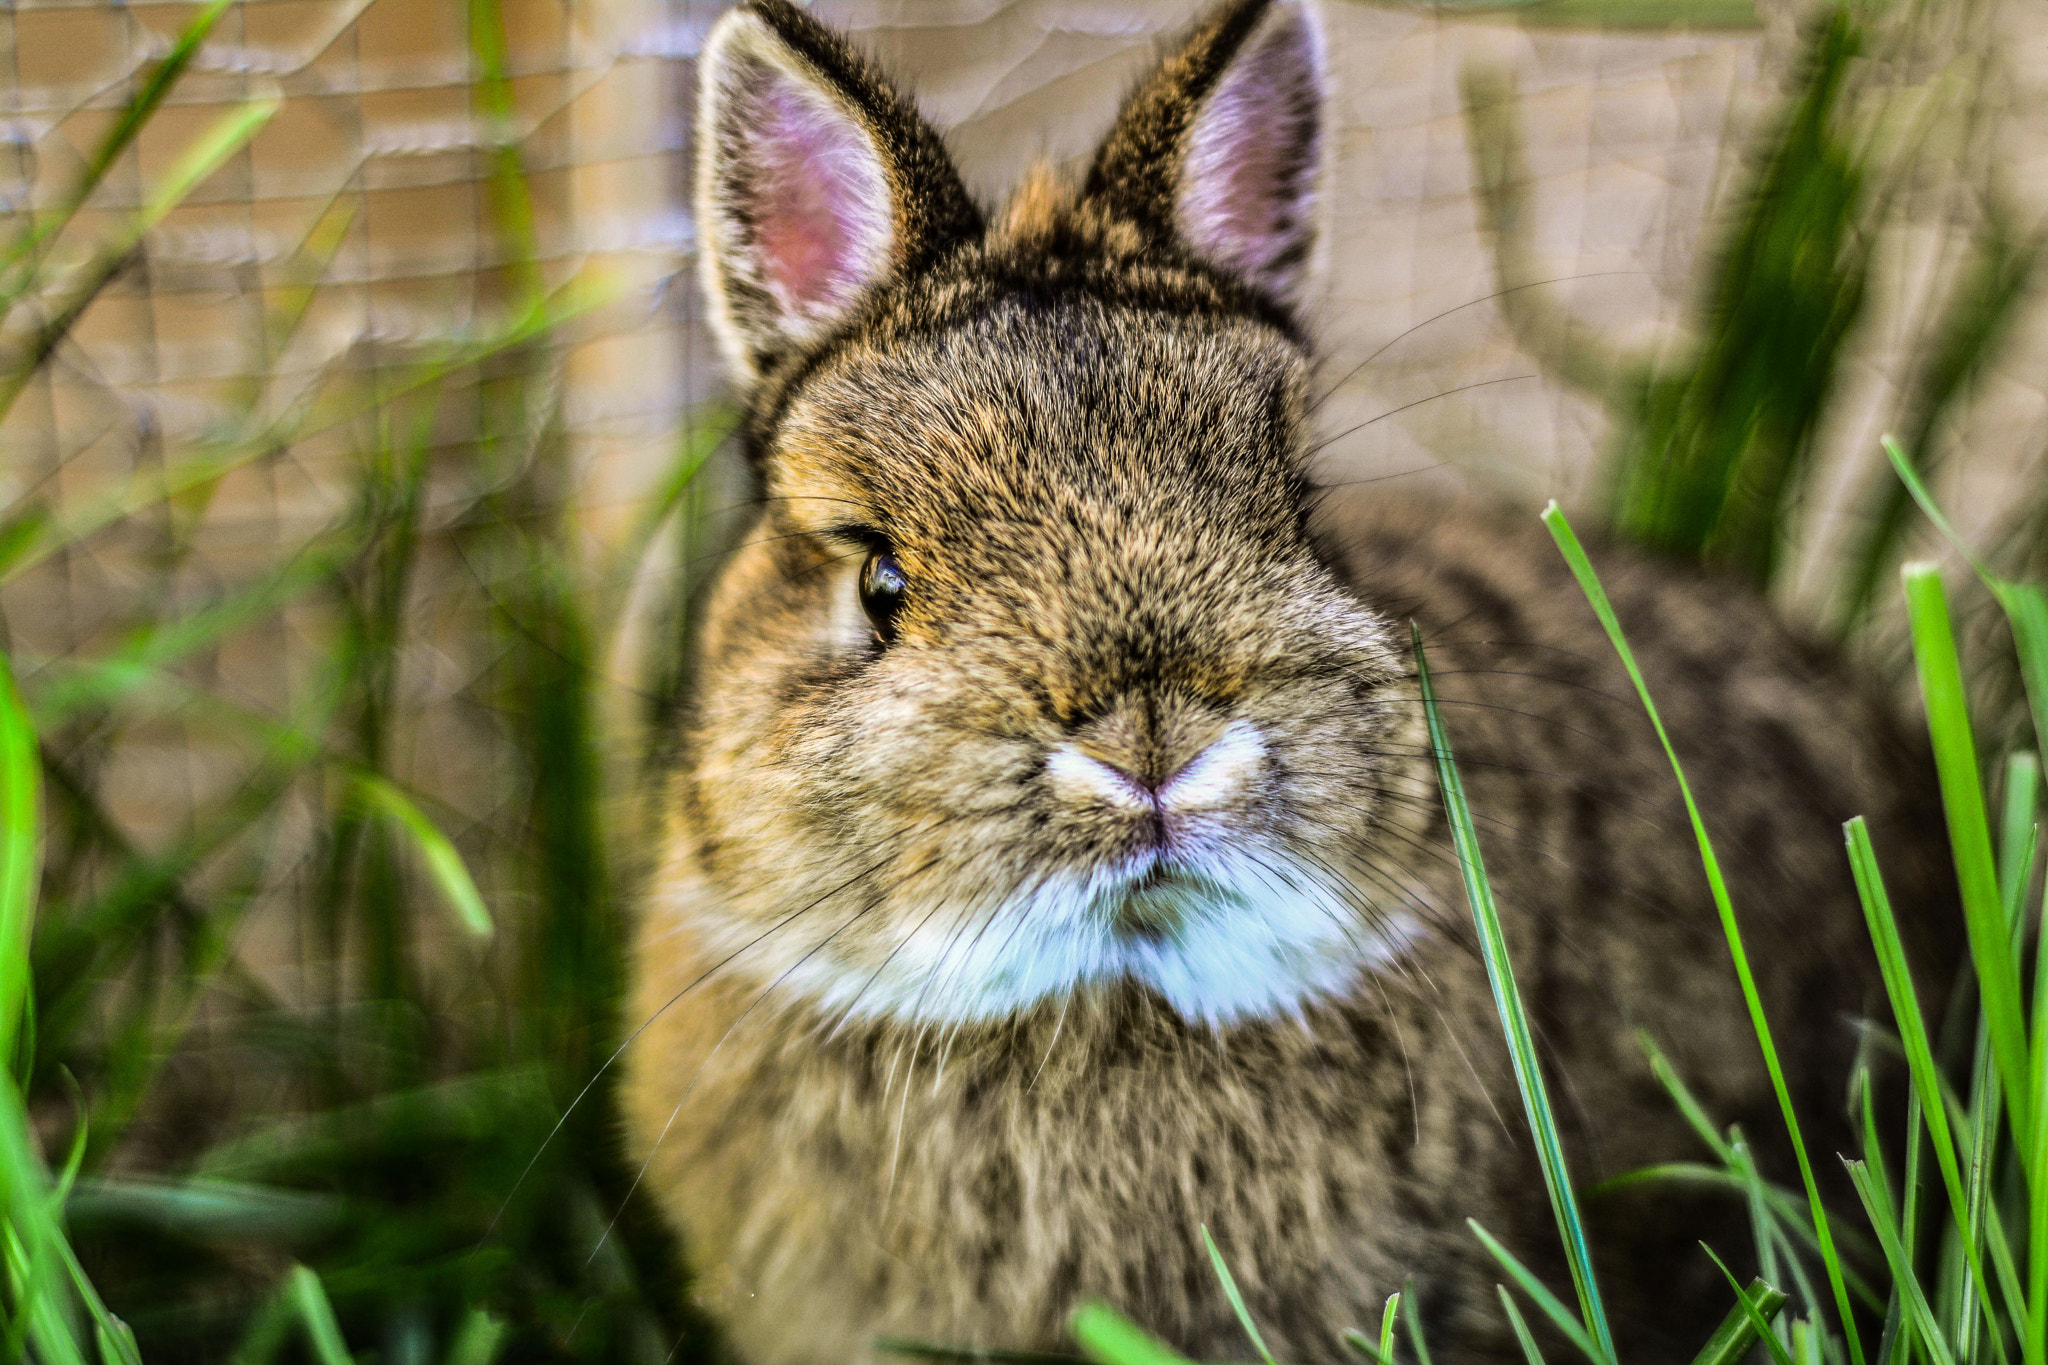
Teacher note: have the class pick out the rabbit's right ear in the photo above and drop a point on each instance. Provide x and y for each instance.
(815, 182)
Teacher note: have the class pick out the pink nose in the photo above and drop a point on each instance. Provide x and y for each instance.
(1212, 779)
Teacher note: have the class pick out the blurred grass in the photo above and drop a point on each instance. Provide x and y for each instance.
(403, 1156)
(385, 1162)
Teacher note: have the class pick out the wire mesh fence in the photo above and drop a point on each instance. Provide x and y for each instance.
(375, 465)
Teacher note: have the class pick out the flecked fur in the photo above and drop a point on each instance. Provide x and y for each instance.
(1085, 445)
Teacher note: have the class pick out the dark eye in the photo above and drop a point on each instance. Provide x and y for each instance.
(882, 584)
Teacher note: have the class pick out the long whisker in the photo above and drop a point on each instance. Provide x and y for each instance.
(1403, 335)
(704, 1066)
(1058, 1024)
(1329, 441)
(644, 1025)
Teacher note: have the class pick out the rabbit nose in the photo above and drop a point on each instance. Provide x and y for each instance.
(1216, 777)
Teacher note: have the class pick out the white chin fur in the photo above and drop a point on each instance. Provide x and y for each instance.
(1256, 936)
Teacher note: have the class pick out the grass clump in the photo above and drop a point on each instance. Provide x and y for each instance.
(368, 1146)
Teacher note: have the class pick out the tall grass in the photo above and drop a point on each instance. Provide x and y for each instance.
(383, 1156)
(402, 1155)
(1944, 1305)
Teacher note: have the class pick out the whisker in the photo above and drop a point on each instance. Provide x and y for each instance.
(644, 1025)
(1329, 441)
(1403, 335)
(702, 1067)
(1058, 1024)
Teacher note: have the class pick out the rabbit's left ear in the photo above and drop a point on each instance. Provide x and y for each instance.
(1221, 147)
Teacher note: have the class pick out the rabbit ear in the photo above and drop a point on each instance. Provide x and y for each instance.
(1221, 146)
(815, 181)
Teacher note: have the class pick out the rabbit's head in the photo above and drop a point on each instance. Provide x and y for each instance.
(1031, 677)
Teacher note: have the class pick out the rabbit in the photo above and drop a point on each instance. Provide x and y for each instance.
(1052, 864)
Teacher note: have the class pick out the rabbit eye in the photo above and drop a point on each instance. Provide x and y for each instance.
(882, 584)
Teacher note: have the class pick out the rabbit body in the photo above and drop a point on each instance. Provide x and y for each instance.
(1054, 864)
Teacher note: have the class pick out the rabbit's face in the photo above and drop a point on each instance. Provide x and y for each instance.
(1031, 677)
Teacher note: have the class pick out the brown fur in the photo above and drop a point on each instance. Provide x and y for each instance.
(1084, 445)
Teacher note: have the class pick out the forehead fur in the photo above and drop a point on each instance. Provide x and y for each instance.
(1049, 253)
(1038, 402)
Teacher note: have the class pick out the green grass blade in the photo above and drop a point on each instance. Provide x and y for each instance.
(1894, 1346)
(26, 1230)
(444, 864)
(1981, 1123)
(479, 1340)
(134, 115)
(316, 1315)
(2016, 835)
(1363, 1345)
(1896, 1337)
(1809, 1342)
(1109, 1338)
(31, 1233)
(1761, 1222)
(116, 1343)
(2006, 1271)
(1877, 1204)
(1522, 1334)
(1977, 318)
(1967, 1305)
(1672, 1173)
(1712, 454)
(2026, 609)
(20, 822)
(63, 690)
(1912, 1026)
(197, 162)
(1381, 1353)
(206, 154)
(1915, 485)
(1411, 1315)
(1552, 1306)
(49, 1329)
(2035, 1346)
(1244, 1316)
(1962, 792)
(1688, 1104)
(2024, 604)
(33, 538)
(1750, 1318)
(40, 1261)
(491, 91)
(264, 1335)
(1746, 1324)
(1507, 999)
(1787, 1211)
(1596, 595)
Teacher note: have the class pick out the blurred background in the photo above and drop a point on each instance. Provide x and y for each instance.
(360, 449)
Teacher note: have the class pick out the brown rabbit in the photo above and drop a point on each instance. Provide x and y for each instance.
(1054, 864)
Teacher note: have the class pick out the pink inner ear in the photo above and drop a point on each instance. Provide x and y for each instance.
(820, 205)
(1251, 157)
